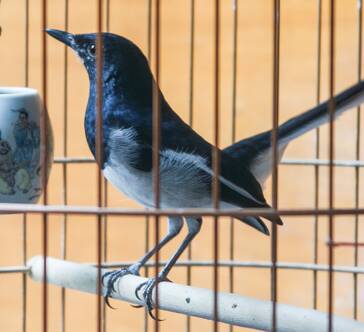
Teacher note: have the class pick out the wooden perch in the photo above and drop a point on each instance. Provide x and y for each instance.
(232, 309)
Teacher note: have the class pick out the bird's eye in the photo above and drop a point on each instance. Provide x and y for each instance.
(91, 50)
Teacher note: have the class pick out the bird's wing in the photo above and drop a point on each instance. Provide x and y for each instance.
(238, 186)
(238, 177)
(256, 151)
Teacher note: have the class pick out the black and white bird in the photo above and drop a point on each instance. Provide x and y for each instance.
(185, 157)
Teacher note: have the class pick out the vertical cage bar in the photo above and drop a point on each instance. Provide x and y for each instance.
(43, 159)
(26, 55)
(149, 30)
(331, 165)
(233, 134)
(147, 219)
(108, 9)
(192, 61)
(104, 250)
(274, 138)
(24, 217)
(99, 153)
(357, 156)
(64, 165)
(216, 159)
(156, 147)
(105, 195)
(24, 276)
(190, 121)
(317, 148)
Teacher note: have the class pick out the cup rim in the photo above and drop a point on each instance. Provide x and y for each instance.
(8, 91)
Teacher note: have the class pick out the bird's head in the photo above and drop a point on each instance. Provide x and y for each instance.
(124, 66)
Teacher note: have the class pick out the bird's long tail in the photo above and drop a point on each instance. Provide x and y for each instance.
(255, 152)
(319, 115)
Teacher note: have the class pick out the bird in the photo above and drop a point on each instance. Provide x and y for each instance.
(186, 171)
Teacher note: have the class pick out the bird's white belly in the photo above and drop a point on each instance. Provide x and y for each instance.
(173, 194)
(133, 184)
(180, 187)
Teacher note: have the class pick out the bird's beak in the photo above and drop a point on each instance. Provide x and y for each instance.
(63, 36)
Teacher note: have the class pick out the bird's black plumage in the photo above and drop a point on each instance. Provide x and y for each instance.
(186, 158)
(127, 103)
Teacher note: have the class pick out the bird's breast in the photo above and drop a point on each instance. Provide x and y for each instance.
(182, 184)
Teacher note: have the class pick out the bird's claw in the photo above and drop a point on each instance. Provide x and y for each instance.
(109, 280)
(147, 295)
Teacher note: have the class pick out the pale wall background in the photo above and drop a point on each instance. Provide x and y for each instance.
(254, 103)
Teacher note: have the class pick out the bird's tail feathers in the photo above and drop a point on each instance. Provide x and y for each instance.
(258, 224)
(254, 222)
(256, 151)
(319, 115)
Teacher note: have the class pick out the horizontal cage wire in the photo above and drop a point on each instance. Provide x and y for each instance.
(230, 69)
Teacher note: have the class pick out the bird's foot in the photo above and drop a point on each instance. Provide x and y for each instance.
(110, 278)
(147, 295)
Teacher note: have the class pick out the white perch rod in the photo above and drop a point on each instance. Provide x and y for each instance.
(193, 301)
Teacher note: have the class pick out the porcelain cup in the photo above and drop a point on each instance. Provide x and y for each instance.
(21, 170)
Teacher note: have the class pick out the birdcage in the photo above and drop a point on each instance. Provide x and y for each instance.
(230, 69)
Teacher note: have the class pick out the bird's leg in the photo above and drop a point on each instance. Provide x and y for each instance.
(174, 227)
(194, 226)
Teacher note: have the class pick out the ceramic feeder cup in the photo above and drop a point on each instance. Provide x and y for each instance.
(21, 151)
